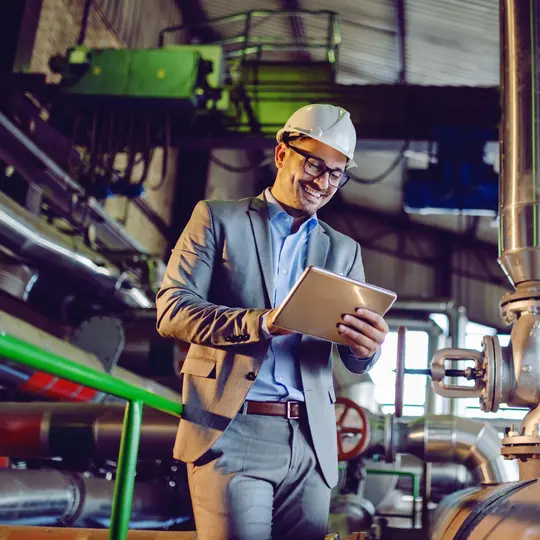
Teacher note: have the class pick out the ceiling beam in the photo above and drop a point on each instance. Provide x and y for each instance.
(297, 29)
(193, 14)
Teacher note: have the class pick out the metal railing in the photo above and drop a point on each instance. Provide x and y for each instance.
(416, 492)
(245, 43)
(22, 352)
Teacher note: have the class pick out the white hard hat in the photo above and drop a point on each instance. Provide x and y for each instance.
(328, 124)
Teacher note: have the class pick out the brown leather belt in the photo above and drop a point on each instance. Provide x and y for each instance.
(285, 409)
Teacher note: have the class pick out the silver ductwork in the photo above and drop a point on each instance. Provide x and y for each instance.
(51, 497)
(16, 279)
(448, 438)
(519, 242)
(27, 236)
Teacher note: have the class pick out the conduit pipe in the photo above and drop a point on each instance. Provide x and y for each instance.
(27, 236)
(51, 497)
(449, 438)
(81, 431)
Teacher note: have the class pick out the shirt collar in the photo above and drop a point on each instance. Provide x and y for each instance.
(275, 209)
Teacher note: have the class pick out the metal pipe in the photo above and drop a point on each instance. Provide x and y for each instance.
(51, 497)
(22, 352)
(448, 438)
(519, 238)
(26, 378)
(56, 178)
(94, 431)
(29, 237)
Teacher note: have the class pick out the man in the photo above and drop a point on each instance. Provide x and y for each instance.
(258, 431)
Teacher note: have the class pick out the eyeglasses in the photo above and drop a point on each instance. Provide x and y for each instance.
(316, 167)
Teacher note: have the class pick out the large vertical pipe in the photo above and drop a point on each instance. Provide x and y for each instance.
(519, 239)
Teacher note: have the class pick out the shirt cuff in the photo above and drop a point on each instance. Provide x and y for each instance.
(352, 355)
(264, 326)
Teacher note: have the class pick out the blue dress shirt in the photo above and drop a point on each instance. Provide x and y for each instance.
(279, 376)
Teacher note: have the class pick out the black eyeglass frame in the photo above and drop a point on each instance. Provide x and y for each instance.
(307, 156)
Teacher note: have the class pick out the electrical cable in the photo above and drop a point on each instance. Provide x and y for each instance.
(244, 169)
(165, 157)
(84, 22)
(376, 179)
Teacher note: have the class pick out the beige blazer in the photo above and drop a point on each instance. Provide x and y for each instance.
(217, 285)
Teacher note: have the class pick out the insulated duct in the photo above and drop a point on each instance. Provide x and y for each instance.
(29, 237)
(448, 438)
(50, 497)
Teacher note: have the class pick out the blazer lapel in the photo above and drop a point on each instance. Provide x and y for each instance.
(317, 251)
(258, 215)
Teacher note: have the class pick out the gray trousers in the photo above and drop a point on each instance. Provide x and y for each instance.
(260, 481)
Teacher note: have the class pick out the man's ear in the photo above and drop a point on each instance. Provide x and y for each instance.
(280, 154)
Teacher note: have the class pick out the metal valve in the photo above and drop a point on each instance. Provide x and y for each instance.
(439, 372)
(490, 374)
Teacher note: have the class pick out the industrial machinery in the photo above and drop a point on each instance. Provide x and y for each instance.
(497, 375)
(73, 282)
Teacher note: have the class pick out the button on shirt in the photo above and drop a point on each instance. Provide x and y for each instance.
(279, 376)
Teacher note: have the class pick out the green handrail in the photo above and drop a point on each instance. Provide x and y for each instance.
(415, 482)
(22, 352)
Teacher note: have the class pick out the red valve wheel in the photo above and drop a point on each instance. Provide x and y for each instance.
(400, 371)
(351, 421)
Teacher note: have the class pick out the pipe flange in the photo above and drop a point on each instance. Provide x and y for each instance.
(487, 397)
(498, 366)
(492, 377)
(389, 446)
(522, 452)
(512, 440)
(523, 447)
(524, 299)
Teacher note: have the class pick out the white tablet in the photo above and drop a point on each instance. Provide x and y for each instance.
(319, 299)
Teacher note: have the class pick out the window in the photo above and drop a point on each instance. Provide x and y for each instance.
(384, 377)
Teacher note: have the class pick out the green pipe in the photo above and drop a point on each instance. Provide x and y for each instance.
(127, 468)
(415, 482)
(22, 352)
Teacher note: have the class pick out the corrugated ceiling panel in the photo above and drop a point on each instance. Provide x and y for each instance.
(449, 42)
(274, 27)
(138, 22)
(368, 52)
(453, 42)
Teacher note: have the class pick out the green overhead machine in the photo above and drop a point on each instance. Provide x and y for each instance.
(174, 75)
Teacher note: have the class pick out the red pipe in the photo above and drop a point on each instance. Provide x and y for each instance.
(52, 387)
(21, 436)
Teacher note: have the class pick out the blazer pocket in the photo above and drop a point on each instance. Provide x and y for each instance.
(198, 365)
(332, 394)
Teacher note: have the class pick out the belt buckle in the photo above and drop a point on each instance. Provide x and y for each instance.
(289, 414)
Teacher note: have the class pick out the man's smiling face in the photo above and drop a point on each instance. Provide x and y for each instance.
(302, 193)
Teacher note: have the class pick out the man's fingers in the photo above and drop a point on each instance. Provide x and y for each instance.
(373, 318)
(356, 339)
(364, 328)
